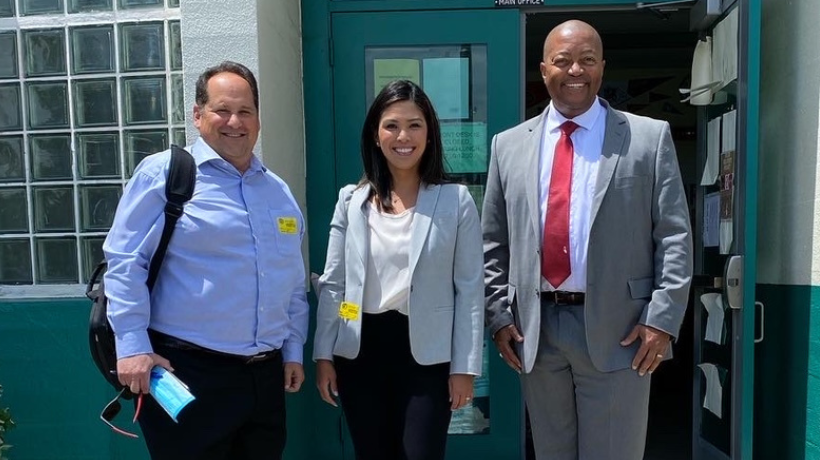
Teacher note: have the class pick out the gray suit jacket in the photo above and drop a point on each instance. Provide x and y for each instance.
(446, 310)
(639, 262)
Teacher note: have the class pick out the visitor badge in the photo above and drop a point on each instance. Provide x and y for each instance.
(349, 310)
(288, 225)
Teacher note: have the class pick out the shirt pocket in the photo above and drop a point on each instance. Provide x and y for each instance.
(287, 229)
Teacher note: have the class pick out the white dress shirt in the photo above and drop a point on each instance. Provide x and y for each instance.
(587, 142)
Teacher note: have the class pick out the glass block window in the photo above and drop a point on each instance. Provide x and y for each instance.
(80, 6)
(8, 58)
(44, 52)
(7, 8)
(95, 102)
(142, 46)
(92, 49)
(11, 117)
(32, 7)
(84, 100)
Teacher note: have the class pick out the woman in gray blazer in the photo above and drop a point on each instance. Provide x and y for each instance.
(400, 321)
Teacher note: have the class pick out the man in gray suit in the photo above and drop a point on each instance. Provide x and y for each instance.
(588, 257)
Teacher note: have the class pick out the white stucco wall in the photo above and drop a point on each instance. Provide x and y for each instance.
(264, 35)
(789, 198)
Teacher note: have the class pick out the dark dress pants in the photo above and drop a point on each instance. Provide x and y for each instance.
(395, 408)
(238, 413)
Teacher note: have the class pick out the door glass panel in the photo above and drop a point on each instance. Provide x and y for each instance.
(455, 79)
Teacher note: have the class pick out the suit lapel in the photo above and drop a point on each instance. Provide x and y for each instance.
(357, 222)
(532, 151)
(422, 219)
(614, 136)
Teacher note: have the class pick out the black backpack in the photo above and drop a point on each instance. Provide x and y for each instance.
(179, 188)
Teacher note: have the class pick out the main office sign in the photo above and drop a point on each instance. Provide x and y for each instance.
(518, 3)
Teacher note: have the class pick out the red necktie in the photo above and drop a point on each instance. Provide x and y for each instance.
(555, 264)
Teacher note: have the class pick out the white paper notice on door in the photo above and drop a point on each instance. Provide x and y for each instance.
(712, 167)
(713, 400)
(711, 220)
(713, 303)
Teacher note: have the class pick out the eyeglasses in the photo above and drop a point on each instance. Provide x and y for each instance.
(113, 408)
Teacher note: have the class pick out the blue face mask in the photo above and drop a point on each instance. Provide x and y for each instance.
(169, 391)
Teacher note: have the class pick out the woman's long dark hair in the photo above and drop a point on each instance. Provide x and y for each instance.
(376, 172)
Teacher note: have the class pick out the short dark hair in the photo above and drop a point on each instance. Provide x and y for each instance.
(376, 172)
(230, 67)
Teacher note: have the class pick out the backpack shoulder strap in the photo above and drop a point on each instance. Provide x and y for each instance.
(179, 188)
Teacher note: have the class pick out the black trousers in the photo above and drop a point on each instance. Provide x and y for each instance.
(395, 408)
(238, 413)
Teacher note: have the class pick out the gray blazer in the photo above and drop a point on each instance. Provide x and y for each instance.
(640, 243)
(446, 310)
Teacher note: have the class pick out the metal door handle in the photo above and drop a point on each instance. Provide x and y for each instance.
(762, 321)
(733, 282)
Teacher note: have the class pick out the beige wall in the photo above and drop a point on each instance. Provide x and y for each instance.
(265, 35)
(789, 215)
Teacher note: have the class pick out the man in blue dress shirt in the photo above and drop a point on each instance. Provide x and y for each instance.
(228, 314)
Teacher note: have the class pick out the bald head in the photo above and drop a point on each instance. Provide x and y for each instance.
(572, 29)
(573, 67)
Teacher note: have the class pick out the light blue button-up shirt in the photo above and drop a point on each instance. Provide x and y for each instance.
(233, 278)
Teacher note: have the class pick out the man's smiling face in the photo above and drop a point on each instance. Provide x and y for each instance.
(229, 121)
(573, 67)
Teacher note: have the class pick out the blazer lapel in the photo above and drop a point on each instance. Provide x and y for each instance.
(357, 230)
(422, 219)
(614, 136)
(532, 151)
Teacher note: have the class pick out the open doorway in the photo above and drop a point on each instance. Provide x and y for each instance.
(648, 57)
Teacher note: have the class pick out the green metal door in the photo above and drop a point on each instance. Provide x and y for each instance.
(468, 61)
(726, 238)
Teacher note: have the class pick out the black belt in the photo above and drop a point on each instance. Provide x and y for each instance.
(179, 344)
(563, 297)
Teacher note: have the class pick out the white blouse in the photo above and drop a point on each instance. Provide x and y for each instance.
(387, 281)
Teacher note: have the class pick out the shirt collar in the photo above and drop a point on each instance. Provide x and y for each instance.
(203, 153)
(586, 120)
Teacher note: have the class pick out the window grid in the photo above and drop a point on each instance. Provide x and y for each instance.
(86, 234)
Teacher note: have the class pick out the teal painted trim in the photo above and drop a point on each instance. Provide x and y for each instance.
(407, 5)
(782, 363)
(53, 388)
(56, 394)
(323, 424)
(426, 5)
(813, 384)
(752, 11)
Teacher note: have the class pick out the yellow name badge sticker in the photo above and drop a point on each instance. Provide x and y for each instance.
(349, 310)
(288, 225)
